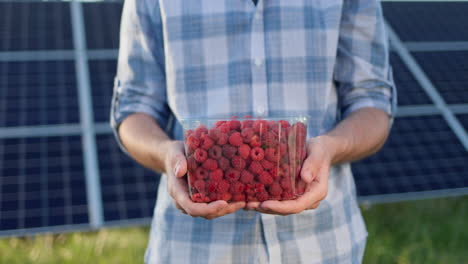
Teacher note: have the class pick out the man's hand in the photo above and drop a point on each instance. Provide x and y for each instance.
(314, 173)
(176, 170)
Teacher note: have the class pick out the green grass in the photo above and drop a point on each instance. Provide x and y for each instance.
(429, 231)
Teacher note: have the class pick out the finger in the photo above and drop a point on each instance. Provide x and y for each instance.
(231, 208)
(252, 205)
(308, 169)
(315, 205)
(180, 167)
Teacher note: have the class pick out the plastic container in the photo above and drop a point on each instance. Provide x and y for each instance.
(248, 159)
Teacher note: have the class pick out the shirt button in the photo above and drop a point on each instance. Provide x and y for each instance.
(258, 62)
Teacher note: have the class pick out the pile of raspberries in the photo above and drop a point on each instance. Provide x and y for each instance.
(245, 160)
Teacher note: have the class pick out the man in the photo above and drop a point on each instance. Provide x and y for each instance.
(200, 58)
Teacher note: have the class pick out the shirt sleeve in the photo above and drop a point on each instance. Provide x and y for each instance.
(362, 73)
(140, 84)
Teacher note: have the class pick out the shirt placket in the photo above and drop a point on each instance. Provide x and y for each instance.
(259, 74)
(271, 238)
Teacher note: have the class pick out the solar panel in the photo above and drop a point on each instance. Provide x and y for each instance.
(448, 71)
(102, 22)
(41, 183)
(128, 190)
(38, 93)
(102, 73)
(409, 91)
(421, 154)
(428, 21)
(35, 26)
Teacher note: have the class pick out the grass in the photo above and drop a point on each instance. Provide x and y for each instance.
(429, 231)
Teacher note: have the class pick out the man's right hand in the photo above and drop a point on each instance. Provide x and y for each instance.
(176, 170)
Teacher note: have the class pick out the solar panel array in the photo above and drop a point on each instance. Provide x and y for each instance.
(43, 173)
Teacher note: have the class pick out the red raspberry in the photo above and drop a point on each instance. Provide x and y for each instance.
(249, 189)
(234, 124)
(244, 151)
(219, 123)
(210, 164)
(265, 178)
(215, 152)
(224, 128)
(247, 134)
(192, 177)
(214, 133)
(255, 167)
(206, 142)
(288, 195)
(255, 141)
(229, 151)
(260, 126)
(300, 187)
(232, 175)
(259, 187)
(283, 148)
(274, 172)
(222, 139)
(193, 142)
(201, 173)
(284, 123)
(267, 164)
(211, 186)
(275, 198)
(275, 189)
(192, 164)
(200, 186)
(223, 186)
(216, 175)
(238, 163)
(199, 198)
(201, 130)
(237, 187)
(300, 129)
(257, 154)
(224, 163)
(251, 198)
(247, 124)
(246, 177)
(271, 154)
(200, 155)
(262, 196)
(235, 139)
(188, 133)
(224, 196)
(213, 196)
(270, 139)
(238, 197)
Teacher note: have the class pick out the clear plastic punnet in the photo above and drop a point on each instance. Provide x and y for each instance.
(245, 159)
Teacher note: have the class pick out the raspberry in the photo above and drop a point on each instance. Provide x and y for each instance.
(260, 126)
(235, 139)
(224, 196)
(247, 124)
(188, 133)
(201, 173)
(219, 123)
(224, 163)
(193, 142)
(300, 129)
(300, 187)
(257, 154)
(267, 164)
(224, 128)
(201, 130)
(200, 186)
(229, 151)
(232, 175)
(276, 198)
(255, 141)
(284, 123)
(270, 139)
(238, 163)
(234, 124)
(214, 133)
(275, 189)
(255, 167)
(216, 175)
(271, 154)
(283, 148)
(210, 164)
(244, 151)
(213, 196)
(238, 197)
(262, 196)
(265, 178)
(222, 139)
(199, 198)
(247, 134)
(223, 186)
(288, 195)
(200, 155)
(246, 177)
(274, 172)
(192, 164)
(211, 186)
(249, 189)
(259, 187)
(237, 187)
(206, 142)
(215, 152)
(251, 198)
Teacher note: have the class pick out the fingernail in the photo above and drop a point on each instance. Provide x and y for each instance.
(176, 168)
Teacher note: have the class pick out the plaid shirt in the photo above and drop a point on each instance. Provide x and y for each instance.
(322, 58)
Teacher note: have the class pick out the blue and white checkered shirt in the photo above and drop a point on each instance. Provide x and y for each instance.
(207, 58)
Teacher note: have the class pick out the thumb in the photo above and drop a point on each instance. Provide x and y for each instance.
(180, 167)
(309, 170)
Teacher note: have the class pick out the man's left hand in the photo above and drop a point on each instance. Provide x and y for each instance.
(314, 173)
